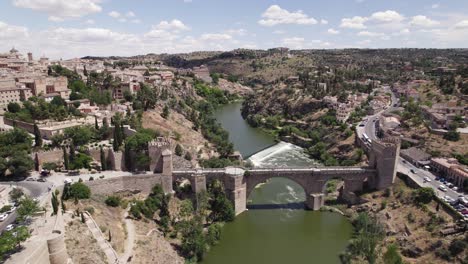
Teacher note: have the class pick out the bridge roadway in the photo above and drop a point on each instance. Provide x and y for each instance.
(234, 170)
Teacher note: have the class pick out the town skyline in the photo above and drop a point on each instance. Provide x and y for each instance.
(60, 29)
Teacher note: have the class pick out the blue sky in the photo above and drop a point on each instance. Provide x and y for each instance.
(73, 28)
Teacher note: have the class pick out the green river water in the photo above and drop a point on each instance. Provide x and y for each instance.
(276, 229)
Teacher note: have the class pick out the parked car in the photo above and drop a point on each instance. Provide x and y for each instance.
(30, 179)
(11, 210)
(3, 217)
(412, 171)
(465, 211)
(41, 180)
(463, 200)
(455, 189)
(450, 185)
(442, 188)
(10, 227)
(67, 181)
(426, 179)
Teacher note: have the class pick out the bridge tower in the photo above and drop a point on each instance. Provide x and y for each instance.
(383, 157)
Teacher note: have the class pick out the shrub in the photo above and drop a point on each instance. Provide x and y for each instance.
(89, 209)
(392, 256)
(424, 195)
(113, 201)
(76, 190)
(456, 247)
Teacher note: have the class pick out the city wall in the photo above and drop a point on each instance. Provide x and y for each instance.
(135, 183)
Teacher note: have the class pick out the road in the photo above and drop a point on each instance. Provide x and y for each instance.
(33, 189)
(402, 165)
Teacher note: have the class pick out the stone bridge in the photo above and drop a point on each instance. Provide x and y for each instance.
(239, 182)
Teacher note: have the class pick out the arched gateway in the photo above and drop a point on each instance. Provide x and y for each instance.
(240, 182)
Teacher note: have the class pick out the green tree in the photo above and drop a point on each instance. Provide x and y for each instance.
(65, 159)
(221, 208)
(27, 208)
(113, 201)
(103, 160)
(37, 136)
(424, 195)
(55, 203)
(194, 243)
(178, 150)
(13, 107)
(147, 96)
(80, 135)
(77, 190)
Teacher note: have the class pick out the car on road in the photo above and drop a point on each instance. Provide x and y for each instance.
(412, 171)
(67, 181)
(10, 227)
(442, 188)
(450, 185)
(426, 179)
(41, 180)
(3, 217)
(30, 179)
(362, 124)
(465, 211)
(455, 189)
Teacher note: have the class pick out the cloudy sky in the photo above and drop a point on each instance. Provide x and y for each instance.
(74, 28)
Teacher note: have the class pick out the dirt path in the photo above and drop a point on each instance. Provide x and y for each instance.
(111, 255)
(130, 241)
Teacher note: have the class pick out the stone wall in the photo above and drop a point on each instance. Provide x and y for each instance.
(135, 183)
(27, 126)
(53, 156)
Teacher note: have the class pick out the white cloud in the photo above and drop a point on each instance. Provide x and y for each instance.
(388, 16)
(136, 21)
(173, 25)
(215, 37)
(87, 35)
(294, 42)
(130, 14)
(323, 22)
(279, 32)
(423, 21)
(114, 14)
(188, 1)
(122, 19)
(435, 6)
(61, 8)
(333, 31)
(356, 22)
(237, 32)
(55, 19)
(402, 32)
(89, 22)
(275, 15)
(370, 34)
(462, 24)
(11, 32)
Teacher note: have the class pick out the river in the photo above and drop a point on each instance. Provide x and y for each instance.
(276, 229)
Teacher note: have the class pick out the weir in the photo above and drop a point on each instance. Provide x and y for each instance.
(281, 152)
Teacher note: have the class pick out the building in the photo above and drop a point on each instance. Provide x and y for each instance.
(131, 87)
(416, 156)
(450, 169)
(42, 86)
(10, 92)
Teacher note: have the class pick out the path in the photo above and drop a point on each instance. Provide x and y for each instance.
(106, 247)
(130, 241)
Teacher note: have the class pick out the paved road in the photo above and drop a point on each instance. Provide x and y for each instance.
(34, 189)
(406, 167)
